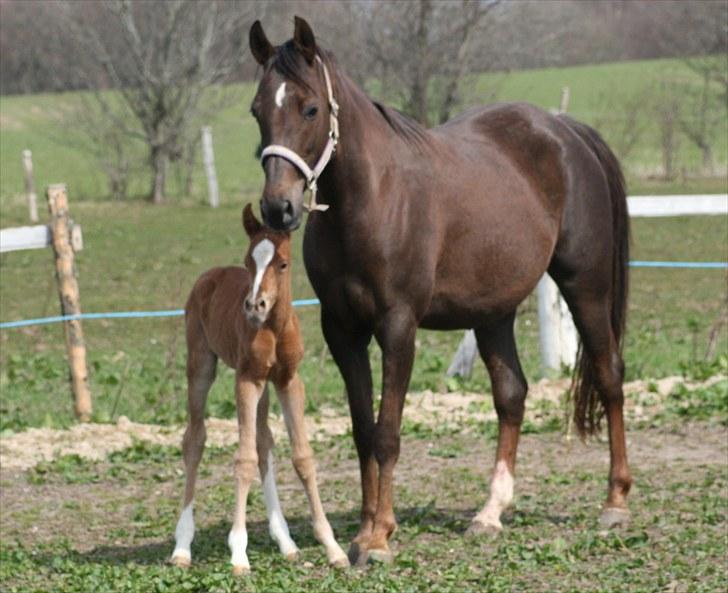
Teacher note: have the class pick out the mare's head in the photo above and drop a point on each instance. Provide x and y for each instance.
(268, 262)
(292, 110)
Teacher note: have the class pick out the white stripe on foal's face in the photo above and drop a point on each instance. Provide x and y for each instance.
(262, 256)
(281, 94)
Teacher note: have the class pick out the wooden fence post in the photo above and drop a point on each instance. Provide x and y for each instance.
(68, 292)
(30, 185)
(208, 158)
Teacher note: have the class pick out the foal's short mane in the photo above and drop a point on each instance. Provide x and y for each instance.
(288, 61)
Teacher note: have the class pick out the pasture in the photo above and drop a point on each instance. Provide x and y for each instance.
(46, 124)
(76, 524)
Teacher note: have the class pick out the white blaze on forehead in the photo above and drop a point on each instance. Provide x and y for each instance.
(281, 94)
(262, 256)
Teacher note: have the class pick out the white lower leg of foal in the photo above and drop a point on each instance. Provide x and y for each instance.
(501, 497)
(183, 535)
(238, 542)
(276, 521)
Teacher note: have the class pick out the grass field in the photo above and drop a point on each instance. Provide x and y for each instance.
(75, 525)
(79, 525)
(134, 259)
(44, 124)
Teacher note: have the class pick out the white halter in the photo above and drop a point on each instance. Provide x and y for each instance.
(310, 174)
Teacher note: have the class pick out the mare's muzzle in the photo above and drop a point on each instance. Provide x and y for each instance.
(280, 214)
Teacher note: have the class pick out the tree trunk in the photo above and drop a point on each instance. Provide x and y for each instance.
(159, 167)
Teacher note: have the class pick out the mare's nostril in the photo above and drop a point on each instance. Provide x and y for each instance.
(288, 208)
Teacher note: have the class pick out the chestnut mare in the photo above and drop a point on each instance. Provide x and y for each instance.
(447, 228)
(244, 316)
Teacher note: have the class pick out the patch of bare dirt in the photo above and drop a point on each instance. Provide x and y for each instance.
(95, 441)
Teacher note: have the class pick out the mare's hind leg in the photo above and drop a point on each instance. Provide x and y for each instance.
(201, 367)
(277, 525)
(593, 320)
(498, 348)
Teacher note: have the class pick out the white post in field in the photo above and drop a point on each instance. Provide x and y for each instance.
(556, 331)
(208, 157)
(30, 185)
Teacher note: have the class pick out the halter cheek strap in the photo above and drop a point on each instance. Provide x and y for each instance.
(310, 174)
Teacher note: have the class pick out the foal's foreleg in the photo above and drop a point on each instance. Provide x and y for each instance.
(292, 397)
(277, 525)
(498, 349)
(247, 393)
(201, 365)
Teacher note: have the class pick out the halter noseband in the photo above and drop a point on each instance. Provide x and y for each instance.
(310, 174)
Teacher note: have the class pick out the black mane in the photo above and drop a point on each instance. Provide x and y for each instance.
(407, 128)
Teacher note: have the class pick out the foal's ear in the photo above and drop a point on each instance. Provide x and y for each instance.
(251, 224)
(260, 47)
(303, 39)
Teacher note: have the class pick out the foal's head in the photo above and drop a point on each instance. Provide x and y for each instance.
(292, 110)
(267, 260)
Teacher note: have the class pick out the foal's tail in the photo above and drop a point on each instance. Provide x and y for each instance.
(588, 411)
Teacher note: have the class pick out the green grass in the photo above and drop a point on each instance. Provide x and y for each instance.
(134, 259)
(111, 522)
(44, 124)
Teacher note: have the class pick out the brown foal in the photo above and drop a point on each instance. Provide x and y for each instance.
(244, 316)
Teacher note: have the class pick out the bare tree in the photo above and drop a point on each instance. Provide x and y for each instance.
(423, 49)
(162, 58)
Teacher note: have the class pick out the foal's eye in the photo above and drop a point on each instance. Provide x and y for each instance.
(310, 112)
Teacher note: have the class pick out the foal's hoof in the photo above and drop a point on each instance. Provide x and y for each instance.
(241, 570)
(294, 556)
(340, 562)
(480, 529)
(613, 517)
(180, 561)
(380, 557)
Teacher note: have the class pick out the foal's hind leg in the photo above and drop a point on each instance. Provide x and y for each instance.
(498, 348)
(201, 366)
(292, 397)
(277, 525)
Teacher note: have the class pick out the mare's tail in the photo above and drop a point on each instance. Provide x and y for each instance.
(587, 406)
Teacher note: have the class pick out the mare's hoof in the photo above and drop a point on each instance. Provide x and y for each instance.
(380, 557)
(613, 517)
(180, 561)
(480, 529)
(239, 571)
(357, 554)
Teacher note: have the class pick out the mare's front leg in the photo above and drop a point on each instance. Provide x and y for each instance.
(247, 394)
(292, 396)
(498, 348)
(396, 336)
(349, 349)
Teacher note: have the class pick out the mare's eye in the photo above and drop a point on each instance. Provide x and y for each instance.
(310, 112)
(283, 265)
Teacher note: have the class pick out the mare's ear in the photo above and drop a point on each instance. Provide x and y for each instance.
(260, 47)
(303, 39)
(251, 224)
